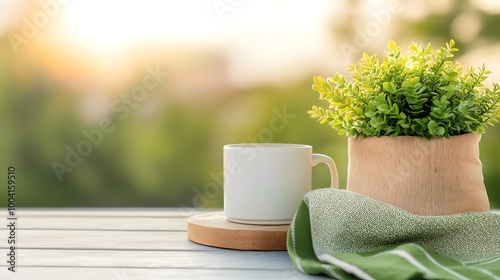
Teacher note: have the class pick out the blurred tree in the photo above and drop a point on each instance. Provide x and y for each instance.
(168, 151)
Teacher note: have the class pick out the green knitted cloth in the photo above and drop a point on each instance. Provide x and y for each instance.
(346, 235)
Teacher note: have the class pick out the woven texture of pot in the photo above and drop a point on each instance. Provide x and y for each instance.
(436, 177)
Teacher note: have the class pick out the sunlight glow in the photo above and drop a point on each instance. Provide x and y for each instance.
(115, 24)
(488, 6)
(250, 33)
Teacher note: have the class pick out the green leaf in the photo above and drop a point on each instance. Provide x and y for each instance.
(390, 87)
(392, 45)
(377, 121)
(435, 129)
(384, 108)
(395, 109)
(447, 116)
(403, 124)
(352, 132)
(417, 128)
(450, 76)
(370, 114)
(411, 82)
(422, 89)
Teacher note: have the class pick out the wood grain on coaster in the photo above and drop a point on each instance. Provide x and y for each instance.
(214, 229)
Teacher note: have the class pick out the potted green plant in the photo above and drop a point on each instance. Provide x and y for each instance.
(414, 122)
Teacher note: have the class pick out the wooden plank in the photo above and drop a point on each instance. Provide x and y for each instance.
(102, 240)
(218, 259)
(105, 212)
(56, 273)
(102, 223)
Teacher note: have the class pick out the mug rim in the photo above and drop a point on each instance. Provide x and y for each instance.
(267, 146)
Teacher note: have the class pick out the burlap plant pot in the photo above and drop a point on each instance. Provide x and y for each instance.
(436, 177)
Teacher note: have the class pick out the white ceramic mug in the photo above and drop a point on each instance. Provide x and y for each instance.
(265, 183)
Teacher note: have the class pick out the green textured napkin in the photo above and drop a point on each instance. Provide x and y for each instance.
(346, 235)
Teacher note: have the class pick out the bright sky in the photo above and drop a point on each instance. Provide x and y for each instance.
(262, 39)
(114, 24)
(291, 34)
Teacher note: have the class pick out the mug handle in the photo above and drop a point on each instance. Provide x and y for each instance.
(319, 158)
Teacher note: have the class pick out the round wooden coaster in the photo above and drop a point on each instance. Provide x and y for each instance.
(214, 229)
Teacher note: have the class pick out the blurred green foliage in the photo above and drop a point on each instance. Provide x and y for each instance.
(163, 159)
(171, 157)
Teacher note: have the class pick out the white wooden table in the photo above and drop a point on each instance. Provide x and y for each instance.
(126, 244)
